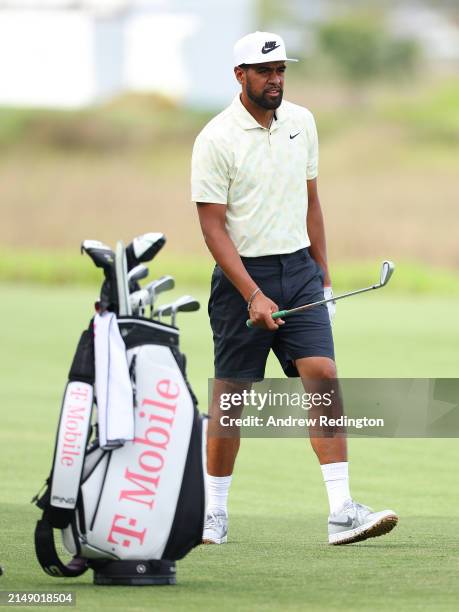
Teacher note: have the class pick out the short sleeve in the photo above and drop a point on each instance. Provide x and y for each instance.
(312, 169)
(209, 172)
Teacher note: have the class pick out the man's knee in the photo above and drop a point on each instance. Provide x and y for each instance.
(226, 396)
(317, 368)
(327, 370)
(226, 408)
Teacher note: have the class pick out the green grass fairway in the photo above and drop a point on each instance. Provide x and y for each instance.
(277, 557)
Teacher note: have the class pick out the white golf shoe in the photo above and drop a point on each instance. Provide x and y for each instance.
(215, 528)
(355, 522)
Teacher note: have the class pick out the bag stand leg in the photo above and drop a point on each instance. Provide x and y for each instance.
(133, 573)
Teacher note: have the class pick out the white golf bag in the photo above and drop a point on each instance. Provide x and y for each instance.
(142, 502)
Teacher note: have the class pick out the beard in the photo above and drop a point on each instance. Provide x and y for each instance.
(264, 101)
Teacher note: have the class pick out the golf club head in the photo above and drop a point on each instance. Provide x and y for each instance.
(164, 283)
(387, 269)
(138, 273)
(163, 311)
(144, 248)
(135, 275)
(103, 257)
(101, 254)
(139, 300)
(186, 303)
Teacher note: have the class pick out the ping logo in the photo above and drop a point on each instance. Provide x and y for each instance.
(65, 500)
(269, 46)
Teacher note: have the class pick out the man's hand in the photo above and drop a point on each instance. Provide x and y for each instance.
(328, 293)
(261, 310)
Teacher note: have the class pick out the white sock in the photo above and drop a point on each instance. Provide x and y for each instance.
(336, 478)
(217, 493)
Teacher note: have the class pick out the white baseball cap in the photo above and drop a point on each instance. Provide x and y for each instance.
(260, 47)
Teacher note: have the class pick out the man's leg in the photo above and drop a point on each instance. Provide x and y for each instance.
(223, 443)
(349, 521)
(330, 447)
(240, 357)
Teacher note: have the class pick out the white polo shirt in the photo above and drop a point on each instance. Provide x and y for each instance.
(260, 174)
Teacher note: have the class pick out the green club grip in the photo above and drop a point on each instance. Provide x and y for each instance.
(276, 315)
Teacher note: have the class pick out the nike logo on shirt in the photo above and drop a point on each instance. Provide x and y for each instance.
(294, 135)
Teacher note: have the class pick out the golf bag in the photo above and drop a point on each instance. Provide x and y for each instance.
(130, 510)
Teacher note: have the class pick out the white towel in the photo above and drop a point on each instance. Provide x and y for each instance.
(115, 404)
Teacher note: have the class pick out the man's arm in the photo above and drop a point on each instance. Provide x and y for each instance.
(316, 229)
(212, 218)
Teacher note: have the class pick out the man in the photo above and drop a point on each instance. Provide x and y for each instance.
(254, 180)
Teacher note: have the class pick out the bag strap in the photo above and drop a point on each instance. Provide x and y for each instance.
(73, 430)
(48, 558)
(71, 441)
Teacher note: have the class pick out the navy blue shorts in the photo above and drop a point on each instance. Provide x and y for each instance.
(289, 280)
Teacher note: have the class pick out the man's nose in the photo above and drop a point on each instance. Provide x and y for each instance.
(275, 79)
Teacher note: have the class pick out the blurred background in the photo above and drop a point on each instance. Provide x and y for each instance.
(100, 101)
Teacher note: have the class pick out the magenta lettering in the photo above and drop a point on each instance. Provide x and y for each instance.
(151, 439)
(154, 425)
(157, 463)
(79, 393)
(129, 533)
(143, 490)
(74, 416)
(163, 388)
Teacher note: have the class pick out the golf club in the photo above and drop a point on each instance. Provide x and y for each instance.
(164, 283)
(163, 311)
(144, 248)
(103, 257)
(145, 297)
(124, 305)
(186, 303)
(387, 269)
(139, 300)
(101, 254)
(136, 274)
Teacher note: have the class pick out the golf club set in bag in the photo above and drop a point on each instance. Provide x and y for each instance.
(127, 486)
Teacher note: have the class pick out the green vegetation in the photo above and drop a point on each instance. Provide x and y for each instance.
(432, 116)
(129, 121)
(362, 50)
(148, 125)
(65, 268)
(277, 557)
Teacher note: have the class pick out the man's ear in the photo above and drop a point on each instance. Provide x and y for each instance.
(239, 73)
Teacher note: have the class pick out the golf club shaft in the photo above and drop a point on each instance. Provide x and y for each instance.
(124, 305)
(152, 308)
(281, 314)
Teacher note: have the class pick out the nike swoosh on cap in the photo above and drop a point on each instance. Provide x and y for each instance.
(266, 49)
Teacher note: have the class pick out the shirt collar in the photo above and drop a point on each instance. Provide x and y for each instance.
(248, 122)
